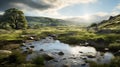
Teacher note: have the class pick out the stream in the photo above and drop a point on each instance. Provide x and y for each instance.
(66, 55)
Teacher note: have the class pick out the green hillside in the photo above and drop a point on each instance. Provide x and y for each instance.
(45, 21)
(111, 23)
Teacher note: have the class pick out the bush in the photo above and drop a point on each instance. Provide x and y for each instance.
(17, 57)
(115, 62)
(39, 60)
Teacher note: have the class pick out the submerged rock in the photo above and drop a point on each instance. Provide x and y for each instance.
(80, 52)
(60, 53)
(41, 50)
(83, 64)
(32, 46)
(91, 56)
(66, 65)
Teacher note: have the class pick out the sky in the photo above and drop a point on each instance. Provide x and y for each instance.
(77, 10)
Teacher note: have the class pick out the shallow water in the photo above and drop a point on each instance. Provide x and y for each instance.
(74, 56)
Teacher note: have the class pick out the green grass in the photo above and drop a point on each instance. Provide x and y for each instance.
(39, 60)
(114, 46)
(72, 35)
(65, 33)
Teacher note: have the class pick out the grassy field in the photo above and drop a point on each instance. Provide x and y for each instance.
(69, 34)
(72, 35)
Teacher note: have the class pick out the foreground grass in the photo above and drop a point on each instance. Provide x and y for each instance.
(17, 59)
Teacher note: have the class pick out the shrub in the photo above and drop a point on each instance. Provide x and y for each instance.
(39, 60)
(115, 62)
(16, 57)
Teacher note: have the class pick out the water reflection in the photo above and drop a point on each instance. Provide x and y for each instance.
(75, 56)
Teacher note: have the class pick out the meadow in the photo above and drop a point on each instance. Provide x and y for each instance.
(73, 35)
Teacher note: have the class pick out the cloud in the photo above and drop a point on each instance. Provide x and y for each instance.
(96, 17)
(117, 7)
(91, 18)
(1, 13)
(40, 5)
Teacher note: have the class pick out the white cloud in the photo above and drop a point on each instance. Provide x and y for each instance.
(101, 14)
(116, 10)
(64, 3)
(97, 17)
(1, 13)
(117, 7)
(51, 11)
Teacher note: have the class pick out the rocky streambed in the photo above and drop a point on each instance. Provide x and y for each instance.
(59, 54)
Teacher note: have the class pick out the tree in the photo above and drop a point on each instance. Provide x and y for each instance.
(14, 18)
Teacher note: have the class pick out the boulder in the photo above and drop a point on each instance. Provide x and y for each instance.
(48, 57)
(23, 44)
(5, 52)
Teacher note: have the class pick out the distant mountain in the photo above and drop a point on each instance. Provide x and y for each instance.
(45, 21)
(50, 21)
(112, 23)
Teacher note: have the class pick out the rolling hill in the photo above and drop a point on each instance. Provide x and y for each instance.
(111, 23)
(46, 21)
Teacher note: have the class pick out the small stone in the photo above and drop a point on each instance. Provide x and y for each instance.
(66, 65)
(64, 58)
(84, 58)
(60, 53)
(80, 52)
(32, 46)
(31, 38)
(23, 44)
(83, 64)
(41, 50)
(90, 56)
(27, 48)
